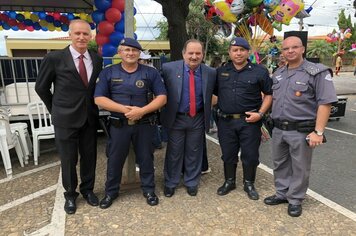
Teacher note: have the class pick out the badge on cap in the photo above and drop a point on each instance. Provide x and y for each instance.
(140, 83)
(233, 42)
(122, 41)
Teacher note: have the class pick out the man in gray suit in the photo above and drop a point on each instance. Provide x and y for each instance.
(189, 85)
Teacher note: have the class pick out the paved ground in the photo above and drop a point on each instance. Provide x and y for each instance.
(32, 202)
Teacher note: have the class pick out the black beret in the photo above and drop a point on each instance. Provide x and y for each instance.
(239, 41)
(130, 42)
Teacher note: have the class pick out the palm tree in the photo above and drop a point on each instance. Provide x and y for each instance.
(320, 49)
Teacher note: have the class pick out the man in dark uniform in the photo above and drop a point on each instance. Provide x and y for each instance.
(302, 97)
(73, 71)
(239, 88)
(126, 90)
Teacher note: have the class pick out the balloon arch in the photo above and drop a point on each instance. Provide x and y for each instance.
(108, 18)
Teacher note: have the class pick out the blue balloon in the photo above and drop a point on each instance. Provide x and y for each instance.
(20, 17)
(42, 15)
(37, 26)
(28, 22)
(5, 26)
(57, 23)
(12, 14)
(102, 5)
(70, 16)
(135, 36)
(120, 26)
(109, 50)
(49, 19)
(134, 11)
(64, 27)
(115, 38)
(14, 28)
(98, 16)
(92, 26)
(107, 62)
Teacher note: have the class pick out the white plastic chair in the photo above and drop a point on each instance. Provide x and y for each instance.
(43, 130)
(21, 130)
(8, 141)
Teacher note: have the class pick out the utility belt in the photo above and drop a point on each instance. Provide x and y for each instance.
(306, 126)
(221, 114)
(119, 122)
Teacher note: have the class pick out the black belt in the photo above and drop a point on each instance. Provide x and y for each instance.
(187, 113)
(121, 121)
(232, 116)
(285, 125)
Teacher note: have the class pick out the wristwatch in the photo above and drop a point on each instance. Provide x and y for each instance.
(319, 133)
(261, 114)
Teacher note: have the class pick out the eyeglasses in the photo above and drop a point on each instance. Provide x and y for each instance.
(293, 48)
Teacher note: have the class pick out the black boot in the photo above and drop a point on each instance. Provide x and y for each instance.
(249, 173)
(230, 179)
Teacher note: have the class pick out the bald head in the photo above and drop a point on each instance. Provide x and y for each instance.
(292, 50)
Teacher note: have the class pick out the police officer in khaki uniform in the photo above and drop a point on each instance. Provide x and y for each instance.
(302, 97)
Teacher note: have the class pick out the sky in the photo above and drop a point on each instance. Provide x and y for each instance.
(322, 21)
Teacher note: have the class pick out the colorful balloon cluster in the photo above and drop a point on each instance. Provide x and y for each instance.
(46, 21)
(268, 14)
(338, 36)
(110, 19)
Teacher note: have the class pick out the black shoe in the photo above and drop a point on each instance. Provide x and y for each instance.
(169, 192)
(273, 200)
(69, 206)
(92, 199)
(226, 187)
(192, 191)
(151, 198)
(294, 210)
(106, 202)
(249, 188)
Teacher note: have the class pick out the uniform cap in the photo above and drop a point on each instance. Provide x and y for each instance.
(130, 42)
(239, 41)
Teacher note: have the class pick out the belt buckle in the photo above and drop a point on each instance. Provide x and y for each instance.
(284, 125)
(236, 116)
(131, 122)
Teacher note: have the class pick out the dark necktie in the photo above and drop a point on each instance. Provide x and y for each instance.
(83, 70)
(192, 108)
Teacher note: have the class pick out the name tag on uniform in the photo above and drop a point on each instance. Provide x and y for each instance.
(300, 83)
(117, 80)
(224, 74)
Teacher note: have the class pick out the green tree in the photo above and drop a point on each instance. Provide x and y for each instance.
(198, 28)
(176, 12)
(320, 49)
(344, 24)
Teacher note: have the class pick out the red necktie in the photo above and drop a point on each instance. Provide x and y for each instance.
(192, 108)
(83, 70)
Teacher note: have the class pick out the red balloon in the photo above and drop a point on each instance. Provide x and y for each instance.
(106, 28)
(12, 22)
(22, 26)
(56, 15)
(118, 4)
(30, 28)
(113, 15)
(101, 39)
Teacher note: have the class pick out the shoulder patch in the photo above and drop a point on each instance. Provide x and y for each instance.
(328, 77)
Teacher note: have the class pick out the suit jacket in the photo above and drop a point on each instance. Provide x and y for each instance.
(72, 103)
(173, 75)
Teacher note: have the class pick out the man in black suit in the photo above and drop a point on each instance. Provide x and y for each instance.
(73, 72)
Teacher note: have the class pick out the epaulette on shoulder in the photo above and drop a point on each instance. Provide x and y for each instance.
(315, 68)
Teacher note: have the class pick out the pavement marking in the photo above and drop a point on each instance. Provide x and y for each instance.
(58, 220)
(27, 198)
(333, 205)
(30, 172)
(340, 131)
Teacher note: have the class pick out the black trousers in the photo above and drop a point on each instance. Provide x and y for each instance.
(69, 141)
